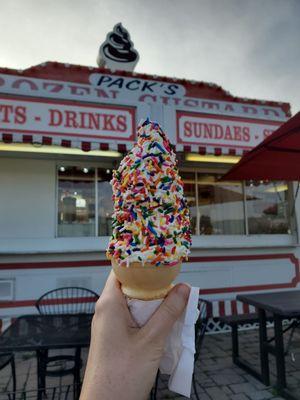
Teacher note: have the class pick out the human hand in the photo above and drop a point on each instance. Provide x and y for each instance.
(123, 358)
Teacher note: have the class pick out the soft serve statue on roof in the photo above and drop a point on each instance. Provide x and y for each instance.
(117, 52)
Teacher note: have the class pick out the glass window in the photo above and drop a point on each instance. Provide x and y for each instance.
(76, 201)
(105, 204)
(216, 207)
(220, 206)
(189, 180)
(267, 207)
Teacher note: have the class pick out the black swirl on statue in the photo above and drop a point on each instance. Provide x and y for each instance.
(118, 46)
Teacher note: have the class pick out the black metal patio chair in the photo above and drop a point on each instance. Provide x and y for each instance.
(7, 359)
(66, 300)
(204, 307)
(292, 343)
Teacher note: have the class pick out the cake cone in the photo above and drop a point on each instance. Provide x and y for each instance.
(146, 281)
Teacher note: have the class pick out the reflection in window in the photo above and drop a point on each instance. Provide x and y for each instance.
(105, 204)
(216, 207)
(267, 207)
(220, 206)
(76, 201)
(189, 180)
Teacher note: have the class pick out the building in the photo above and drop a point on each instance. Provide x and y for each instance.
(64, 128)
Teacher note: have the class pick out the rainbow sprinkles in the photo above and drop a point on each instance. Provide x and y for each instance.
(151, 221)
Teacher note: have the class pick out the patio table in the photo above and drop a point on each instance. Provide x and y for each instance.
(42, 332)
(281, 305)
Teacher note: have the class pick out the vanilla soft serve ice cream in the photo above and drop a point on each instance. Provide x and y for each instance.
(151, 220)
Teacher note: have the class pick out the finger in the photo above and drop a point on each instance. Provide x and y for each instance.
(112, 298)
(112, 285)
(160, 324)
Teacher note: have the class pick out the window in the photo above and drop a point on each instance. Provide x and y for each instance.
(267, 207)
(235, 208)
(220, 206)
(76, 201)
(85, 204)
(189, 180)
(105, 204)
(6, 289)
(84, 193)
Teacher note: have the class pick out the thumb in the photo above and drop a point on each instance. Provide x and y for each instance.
(161, 322)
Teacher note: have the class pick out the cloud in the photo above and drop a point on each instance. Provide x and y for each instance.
(248, 47)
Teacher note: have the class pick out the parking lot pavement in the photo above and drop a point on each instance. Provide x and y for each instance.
(216, 377)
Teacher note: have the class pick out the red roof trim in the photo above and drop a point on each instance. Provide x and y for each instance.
(66, 143)
(47, 140)
(208, 89)
(104, 146)
(85, 146)
(187, 149)
(202, 150)
(7, 137)
(27, 138)
(122, 148)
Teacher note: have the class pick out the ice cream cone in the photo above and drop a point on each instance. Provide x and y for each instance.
(151, 225)
(146, 282)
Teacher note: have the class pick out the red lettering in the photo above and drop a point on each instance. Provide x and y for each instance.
(191, 103)
(165, 100)
(20, 116)
(218, 132)
(267, 132)
(228, 107)
(246, 134)
(237, 133)
(145, 97)
(6, 111)
(94, 121)
(121, 123)
(70, 121)
(26, 83)
(108, 122)
(208, 131)
(79, 90)
(269, 111)
(114, 93)
(56, 117)
(102, 93)
(187, 129)
(210, 104)
(83, 124)
(227, 135)
(247, 109)
(176, 100)
(197, 129)
(53, 87)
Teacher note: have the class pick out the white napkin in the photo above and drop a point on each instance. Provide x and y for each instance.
(178, 356)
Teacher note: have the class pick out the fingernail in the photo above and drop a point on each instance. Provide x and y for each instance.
(183, 290)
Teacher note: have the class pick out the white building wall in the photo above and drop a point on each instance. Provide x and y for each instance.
(36, 261)
(27, 198)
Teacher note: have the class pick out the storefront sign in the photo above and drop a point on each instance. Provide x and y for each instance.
(137, 88)
(208, 130)
(36, 116)
(125, 90)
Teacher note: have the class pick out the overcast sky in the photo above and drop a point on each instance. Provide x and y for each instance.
(249, 47)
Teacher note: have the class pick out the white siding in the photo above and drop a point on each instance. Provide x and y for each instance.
(27, 198)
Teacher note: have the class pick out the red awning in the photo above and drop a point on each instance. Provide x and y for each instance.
(276, 158)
